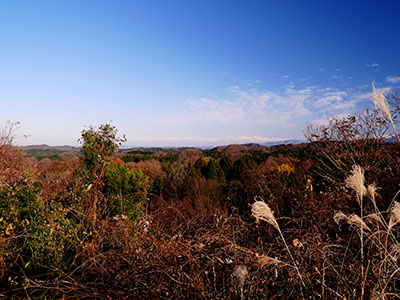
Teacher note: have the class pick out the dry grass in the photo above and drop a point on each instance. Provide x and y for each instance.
(356, 181)
(240, 274)
(193, 243)
(265, 261)
(380, 102)
(394, 215)
(353, 220)
(261, 211)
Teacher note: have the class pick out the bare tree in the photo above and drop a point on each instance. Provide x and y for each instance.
(366, 139)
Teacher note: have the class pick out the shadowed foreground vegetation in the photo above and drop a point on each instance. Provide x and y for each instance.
(317, 220)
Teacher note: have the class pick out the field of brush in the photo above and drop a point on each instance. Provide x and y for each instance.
(315, 220)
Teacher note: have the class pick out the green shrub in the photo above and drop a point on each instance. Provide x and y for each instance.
(35, 232)
(127, 190)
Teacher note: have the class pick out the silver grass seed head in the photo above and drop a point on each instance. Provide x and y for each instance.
(240, 273)
(356, 181)
(357, 222)
(339, 216)
(371, 192)
(264, 260)
(380, 102)
(395, 252)
(374, 217)
(353, 220)
(394, 214)
(261, 211)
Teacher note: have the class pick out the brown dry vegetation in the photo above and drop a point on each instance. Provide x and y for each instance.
(147, 225)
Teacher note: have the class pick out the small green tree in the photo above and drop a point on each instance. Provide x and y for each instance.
(126, 191)
(110, 189)
(98, 146)
(214, 171)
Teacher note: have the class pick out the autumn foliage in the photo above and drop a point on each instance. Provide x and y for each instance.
(227, 223)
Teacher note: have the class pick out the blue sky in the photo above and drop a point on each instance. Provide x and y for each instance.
(193, 73)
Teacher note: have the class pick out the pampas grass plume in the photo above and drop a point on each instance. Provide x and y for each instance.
(357, 222)
(371, 192)
(356, 181)
(353, 220)
(240, 273)
(395, 252)
(374, 217)
(264, 260)
(339, 216)
(394, 215)
(261, 211)
(380, 102)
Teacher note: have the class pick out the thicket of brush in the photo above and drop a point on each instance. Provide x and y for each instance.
(314, 221)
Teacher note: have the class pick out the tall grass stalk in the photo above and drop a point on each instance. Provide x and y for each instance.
(261, 211)
(380, 102)
(356, 182)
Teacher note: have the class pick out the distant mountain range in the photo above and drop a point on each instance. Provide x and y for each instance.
(125, 149)
(284, 142)
(64, 148)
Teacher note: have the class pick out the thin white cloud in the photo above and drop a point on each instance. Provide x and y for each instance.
(329, 98)
(325, 89)
(244, 107)
(256, 107)
(362, 96)
(373, 65)
(250, 109)
(393, 79)
(205, 141)
(290, 86)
